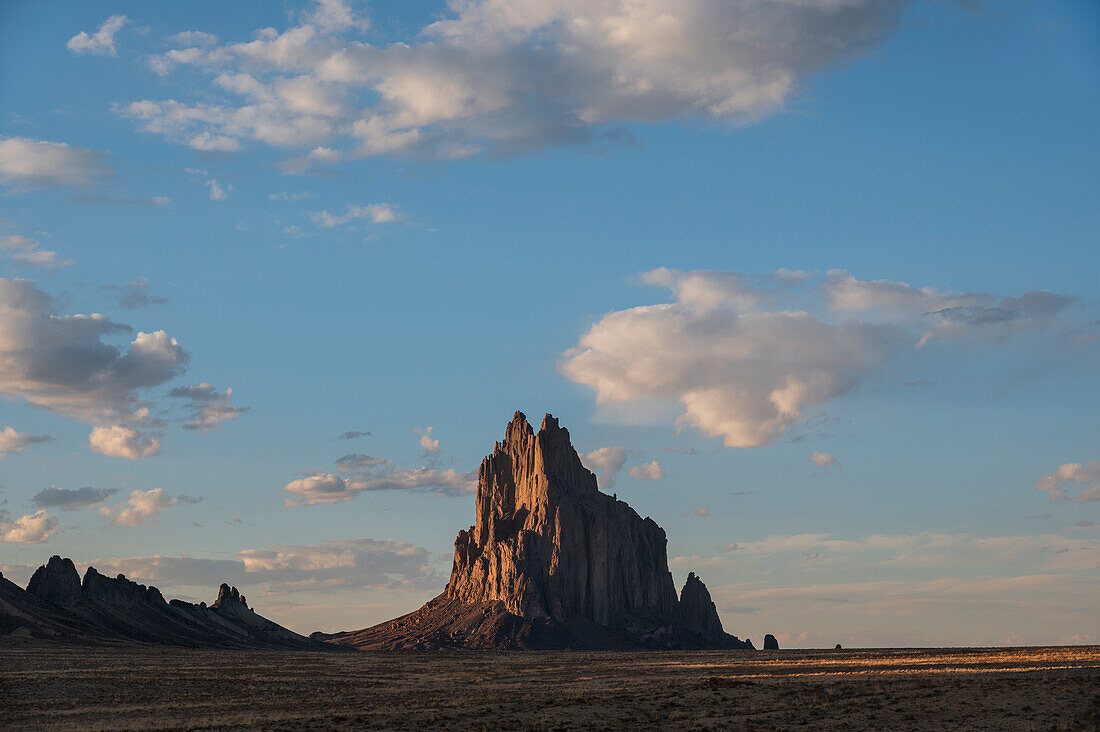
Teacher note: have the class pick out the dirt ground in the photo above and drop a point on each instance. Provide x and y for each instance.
(67, 687)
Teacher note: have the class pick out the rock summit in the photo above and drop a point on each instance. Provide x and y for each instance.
(552, 562)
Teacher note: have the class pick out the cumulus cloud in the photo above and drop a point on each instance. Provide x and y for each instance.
(217, 193)
(13, 442)
(102, 42)
(508, 76)
(124, 442)
(72, 499)
(1088, 474)
(142, 505)
(428, 445)
(134, 295)
(26, 252)
(33, 528)
(209, 407)
(647, 471)
(749, 357)
(27, 163)
(63, 363)
(823, 459)
(606, 462)
(377, 474)
(375, 213)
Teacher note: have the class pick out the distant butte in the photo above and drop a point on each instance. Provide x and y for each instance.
(553, 563)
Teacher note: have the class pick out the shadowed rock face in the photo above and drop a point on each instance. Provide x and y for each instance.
(119, 592)
(697, 610)
(551, 562)
(118, 610)
(770, 643)
(56, 582)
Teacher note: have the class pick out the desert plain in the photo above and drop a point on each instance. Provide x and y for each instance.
(62, 686)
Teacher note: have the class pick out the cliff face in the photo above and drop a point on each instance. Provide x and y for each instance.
(547, 543)
(551, 562)
(697, 610)
(56, 582)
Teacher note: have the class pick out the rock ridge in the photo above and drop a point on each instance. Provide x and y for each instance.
(553, 562)
(102, 609)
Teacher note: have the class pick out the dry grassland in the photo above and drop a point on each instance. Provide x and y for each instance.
(67, 687)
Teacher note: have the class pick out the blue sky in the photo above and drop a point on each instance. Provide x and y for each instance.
(396, 217)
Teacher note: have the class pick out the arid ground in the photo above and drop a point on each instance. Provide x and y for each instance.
(47, 686)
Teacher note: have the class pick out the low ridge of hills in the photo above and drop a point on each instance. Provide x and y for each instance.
(57, 605)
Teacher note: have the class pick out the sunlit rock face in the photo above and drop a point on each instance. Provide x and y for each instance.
(550, 563)
(548, 544)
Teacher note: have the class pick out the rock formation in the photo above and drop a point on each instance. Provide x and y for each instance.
(552, 562)
(57, 582)
(770, 643)
(103, 609)
(697, 610)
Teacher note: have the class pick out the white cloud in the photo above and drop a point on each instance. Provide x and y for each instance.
(429, 446)
(380, 476)
(950, 315)
(13, 442)
(27, 163)
(702, 512)
(205, 142)
(647, 471)
(102, 42)
(30, 529)
(1054, 485)
(124, 442)
(62, 363)
(217, 193)
(25, 252)
(357, 473)
(607, 462)
(375, 213)
(194, 38)
(747, 358)
(512, 75)
(823, 459)
(140, 506)
(209, 407)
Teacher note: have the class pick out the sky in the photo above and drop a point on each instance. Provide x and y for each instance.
(812, 284)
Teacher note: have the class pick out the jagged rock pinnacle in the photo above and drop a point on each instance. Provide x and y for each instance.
(56, 582)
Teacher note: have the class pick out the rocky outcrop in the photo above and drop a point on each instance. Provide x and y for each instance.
(103, 609)
(770, 643)
(552, 562)
(56, 582)
(228, 597)
(697, 611)
(119, 591)
(547, 543)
